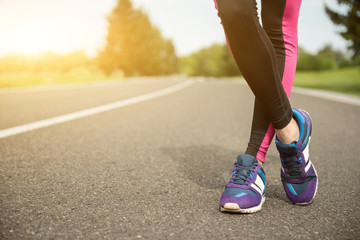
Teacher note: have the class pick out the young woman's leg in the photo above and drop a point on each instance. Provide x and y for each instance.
(280, 20)
(255, 56)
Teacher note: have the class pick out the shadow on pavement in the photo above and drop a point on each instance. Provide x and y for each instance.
(210, 166)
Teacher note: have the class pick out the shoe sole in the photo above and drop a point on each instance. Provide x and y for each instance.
(234, 208)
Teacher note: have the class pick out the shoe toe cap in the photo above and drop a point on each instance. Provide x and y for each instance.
(301, 193)
(242, 200)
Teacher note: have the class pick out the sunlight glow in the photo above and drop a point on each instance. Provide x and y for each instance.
(29, 41)
(37, 26)
(63, 26)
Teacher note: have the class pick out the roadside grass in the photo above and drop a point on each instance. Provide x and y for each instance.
(345, 80)
(77, 75)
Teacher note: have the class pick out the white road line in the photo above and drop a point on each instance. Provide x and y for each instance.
(328, 95)
(92, 111)
(332, 96)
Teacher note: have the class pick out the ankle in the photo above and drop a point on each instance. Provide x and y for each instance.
(290, 133)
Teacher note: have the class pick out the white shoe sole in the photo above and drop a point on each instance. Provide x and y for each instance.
(234, 208)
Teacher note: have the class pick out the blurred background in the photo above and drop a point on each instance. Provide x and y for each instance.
(46, 42)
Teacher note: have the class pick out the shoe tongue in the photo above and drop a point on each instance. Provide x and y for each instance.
(287, 148)
(246, 159)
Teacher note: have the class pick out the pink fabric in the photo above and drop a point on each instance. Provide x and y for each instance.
(289, 27)
(216, 4)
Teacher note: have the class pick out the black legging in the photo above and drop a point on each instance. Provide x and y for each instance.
(266, 56)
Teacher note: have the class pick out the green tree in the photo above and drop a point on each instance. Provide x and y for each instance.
(334, 58)
(350, 21)
(134, 45)
(215, 60)
(326, 58)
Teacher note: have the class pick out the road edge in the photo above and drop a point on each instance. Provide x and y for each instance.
(328, 95)
(324, 94)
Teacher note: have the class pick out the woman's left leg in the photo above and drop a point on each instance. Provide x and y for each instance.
(255, 56)
(280, 20)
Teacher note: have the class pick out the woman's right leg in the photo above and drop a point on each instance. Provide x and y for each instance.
(256, 59)
(255, 56)
(280, 23)
(280, 20)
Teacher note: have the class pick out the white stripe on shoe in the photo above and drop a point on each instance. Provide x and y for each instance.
(306, 152)
(258, 185)
(308, 165)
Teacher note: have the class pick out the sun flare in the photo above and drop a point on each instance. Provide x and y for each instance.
(39, 26)
(29, 41)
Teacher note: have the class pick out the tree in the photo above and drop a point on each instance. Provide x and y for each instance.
(215, 60)
(350, 21)
(134, 45)
(325, 59)
(334, 58)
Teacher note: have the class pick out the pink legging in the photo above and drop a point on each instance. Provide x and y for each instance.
(266, 55)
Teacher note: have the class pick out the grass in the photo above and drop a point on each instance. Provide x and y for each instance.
(345, 80)
(76, 75)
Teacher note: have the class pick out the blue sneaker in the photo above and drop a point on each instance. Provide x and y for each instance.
(298, 174)
(245, 191)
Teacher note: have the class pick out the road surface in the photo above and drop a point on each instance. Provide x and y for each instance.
(156, 169)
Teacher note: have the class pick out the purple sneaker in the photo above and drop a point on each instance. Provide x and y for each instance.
(298, 174)
(245, 191)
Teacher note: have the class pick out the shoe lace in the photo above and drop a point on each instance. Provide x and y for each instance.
(292, 163)
(242, 174)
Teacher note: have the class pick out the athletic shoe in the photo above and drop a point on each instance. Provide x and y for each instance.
(245, 191)
(298, 174)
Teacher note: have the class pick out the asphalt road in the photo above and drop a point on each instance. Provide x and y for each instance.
(156, 169)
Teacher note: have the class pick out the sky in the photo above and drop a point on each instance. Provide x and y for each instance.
(63, 26)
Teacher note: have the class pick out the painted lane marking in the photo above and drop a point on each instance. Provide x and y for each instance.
(92, 111)
(81, 85)
(324, 94)
(332, 96)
